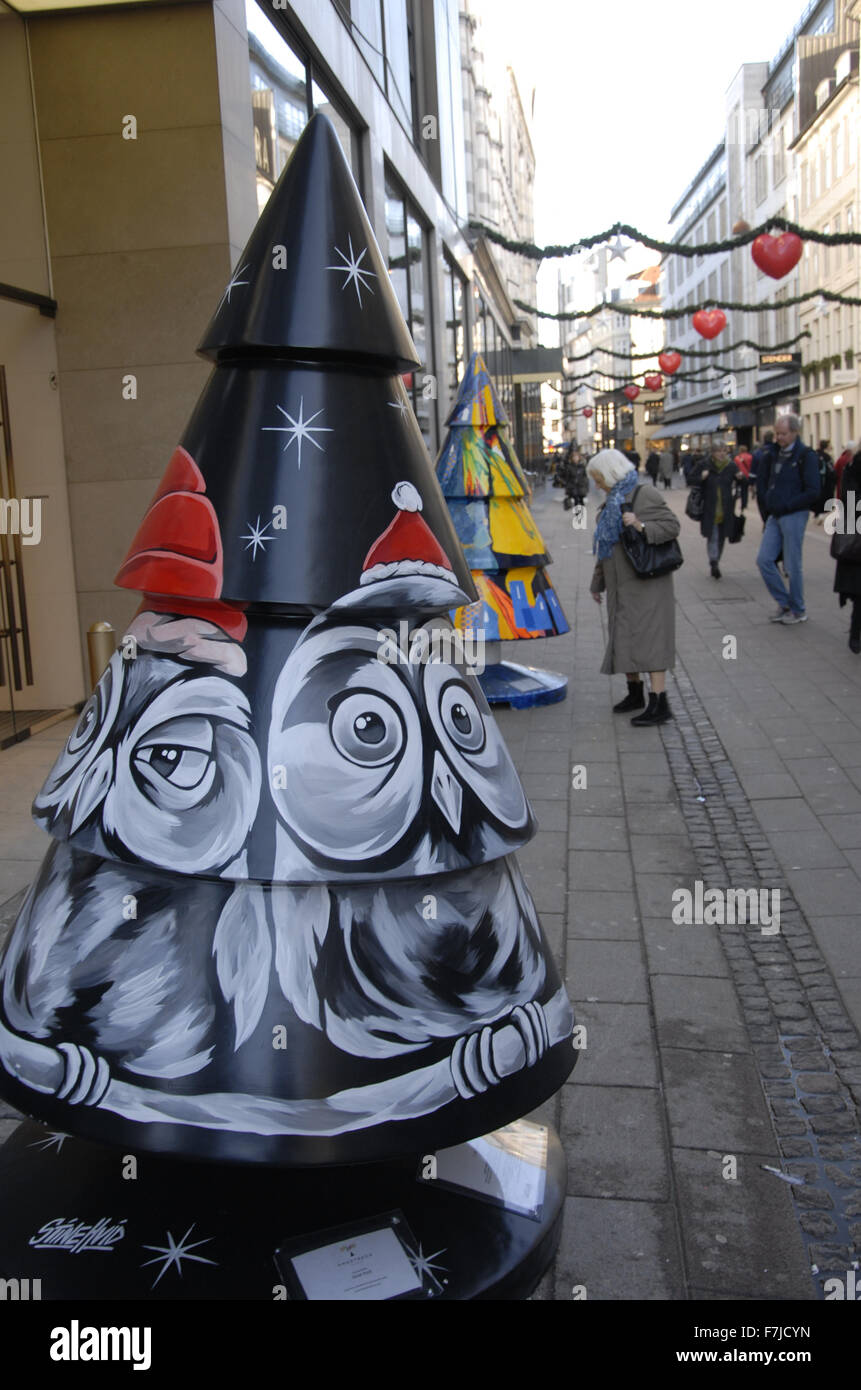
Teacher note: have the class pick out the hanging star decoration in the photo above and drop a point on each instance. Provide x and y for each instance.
(175, 1252)
(617, 250)
(300, 429)
(51, 1141)
(257, 538)
(424, 1264)
(351, 269)
(233, 284)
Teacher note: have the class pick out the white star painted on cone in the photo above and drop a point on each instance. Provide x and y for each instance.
(399, 405)
(300, 429)
(424, 1264)
(52, 1141)
(175, 1252)
(234, 283)
(257, 538)
(617, 250)
(352, 271)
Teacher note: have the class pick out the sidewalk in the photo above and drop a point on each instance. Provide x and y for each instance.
(710, 1051)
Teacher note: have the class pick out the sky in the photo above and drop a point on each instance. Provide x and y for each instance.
(629, 98)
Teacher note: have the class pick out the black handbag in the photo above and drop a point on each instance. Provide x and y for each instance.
(846, 548)
(650, 561)
(735, 527)
(696, 503)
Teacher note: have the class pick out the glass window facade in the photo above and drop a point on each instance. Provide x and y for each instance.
(284, 94)
(455, 326)
(408, 267)
(452, 145)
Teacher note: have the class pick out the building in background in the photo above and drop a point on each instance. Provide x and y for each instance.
(826, 157)
(602, 347)
(146, 139)
(750, 176)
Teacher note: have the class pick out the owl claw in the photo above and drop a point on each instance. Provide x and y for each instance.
(86, 1076)
(473, 1066)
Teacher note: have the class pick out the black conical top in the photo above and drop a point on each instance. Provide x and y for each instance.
(312, 281)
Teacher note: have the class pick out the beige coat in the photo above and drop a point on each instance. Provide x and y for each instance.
(641, 612)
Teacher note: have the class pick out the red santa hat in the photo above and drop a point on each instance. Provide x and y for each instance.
(406, 567)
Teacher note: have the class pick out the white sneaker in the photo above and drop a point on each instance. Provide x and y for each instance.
(789, 619)
(778, 615)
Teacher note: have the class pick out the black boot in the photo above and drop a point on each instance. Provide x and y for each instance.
(854, 642)
(715, 570)
(635, 698)
(658, 711)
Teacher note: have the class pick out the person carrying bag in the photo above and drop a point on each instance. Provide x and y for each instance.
(640, 616)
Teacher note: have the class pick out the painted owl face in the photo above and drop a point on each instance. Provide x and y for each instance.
(396, 769)
(160, 767)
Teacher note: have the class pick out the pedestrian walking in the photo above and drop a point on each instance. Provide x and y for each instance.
(652, 463)
(718, 480)
(788, 489)
(744, 461)
(849, 451)
(846, 547)
(665, 469)
(640, 612)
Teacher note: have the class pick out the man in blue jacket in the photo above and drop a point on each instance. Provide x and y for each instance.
(788, 487)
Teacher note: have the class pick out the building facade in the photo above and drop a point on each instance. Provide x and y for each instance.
(140, 143)
(826, 156)
(752, 175)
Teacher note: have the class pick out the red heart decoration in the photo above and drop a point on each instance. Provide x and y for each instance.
(777, 255)
(632, 392)
(587, 411)
(709, 322)
(654, 381)
(670, 362)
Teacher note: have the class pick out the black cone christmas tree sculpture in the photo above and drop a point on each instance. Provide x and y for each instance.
(486, 491)
(281, 922)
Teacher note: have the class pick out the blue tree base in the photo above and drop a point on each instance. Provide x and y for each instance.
(507, 683)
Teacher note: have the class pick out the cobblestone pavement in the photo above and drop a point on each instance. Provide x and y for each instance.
(711, 1124)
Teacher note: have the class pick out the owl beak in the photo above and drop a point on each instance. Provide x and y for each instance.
(446, 791)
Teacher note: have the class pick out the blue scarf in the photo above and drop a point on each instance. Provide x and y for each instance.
(608, 528)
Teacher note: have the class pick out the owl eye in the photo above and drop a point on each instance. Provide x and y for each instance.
(175, 764)
(365, 728)
(462, 718)
(183, 767)
(86, 725)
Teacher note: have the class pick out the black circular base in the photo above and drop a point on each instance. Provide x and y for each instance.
(90, 1222)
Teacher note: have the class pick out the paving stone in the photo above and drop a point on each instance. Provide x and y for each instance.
(620, 1047)
(612, 916)
(662, 854)
(715, 1101)
(618, 1250)
(725, 1225)
(597, 832)
(702, 1015)
(607, 971)
(673, 950)
(614, 1140)
(599, 870)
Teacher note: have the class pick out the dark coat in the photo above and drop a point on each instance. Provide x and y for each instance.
(714, 485)
(641, 613)
(847, 579)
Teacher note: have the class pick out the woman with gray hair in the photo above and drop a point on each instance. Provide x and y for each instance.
(641, 613)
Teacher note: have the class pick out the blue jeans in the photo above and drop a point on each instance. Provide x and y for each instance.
(784, 533)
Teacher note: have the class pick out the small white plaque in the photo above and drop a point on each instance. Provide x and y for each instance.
(359, 1268)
